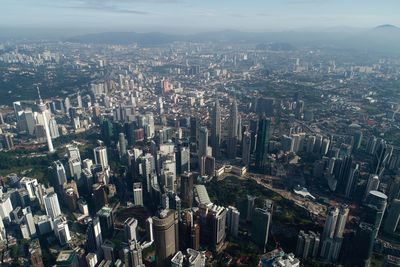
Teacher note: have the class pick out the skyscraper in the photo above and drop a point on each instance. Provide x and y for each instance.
(165, 230)
(194, 128)
(332, 236)
(372, 184)
(216, 129)
(233, 130)
(130, 226)
(100, 156)
(212, 225)
(79, 100)
(75, 169)
(203, 142)
(122, 145)
(94, 237)
(107, 131)
(52, 205)
(365, 238)
(392, 223)
(262, 144)
(133, 255)
(260, 223)
(246, 149)
(42, 109)
(232, 219)
(59, 173)
(137, 194)
(376, 205)
(307, 244)
(61, 230)
(187, 190)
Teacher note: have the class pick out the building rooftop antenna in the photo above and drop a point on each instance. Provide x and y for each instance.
(40, 97)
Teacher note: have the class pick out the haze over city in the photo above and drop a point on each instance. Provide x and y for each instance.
(188, 133)
(194, 16)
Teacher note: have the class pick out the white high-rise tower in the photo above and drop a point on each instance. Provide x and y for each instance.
(42, 108)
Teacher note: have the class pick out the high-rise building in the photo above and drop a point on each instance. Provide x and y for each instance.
(260, 223)
(52, 205)
(216, 129)
(287, 143)
(6, 207)
(59, 174)
(392, 223)
(372, 184)
(233, 130)
(182, 156)
(203, 142)
(147, 170)
(364, 240)
(6, 140)
(94, 237)
(91, 259)
(73, 152)
(133, 255)
(195, 236)
(341, 221)
(43, 109)
(351, 180)
(394, 190)
(332, 236)
(61, 230)
(187, 189)
(149, 229)
(375, 209)
(99, 196)
(249, 207)
(246, 149)
(122, 145)
(262, 143)
(53, 127)
(358, 136)
(185, 225)
(106, 218)
(79, 100)
(130, 226)
(165, 230)
(232, 219)
(28, 219)
(207, 166)
(107, 131)
(67, 258)
(307, 244)
(137, 194)
(109, 252)
(192, 258)
(194, 128)
(75, 168)
(100, 157)
(212, 225)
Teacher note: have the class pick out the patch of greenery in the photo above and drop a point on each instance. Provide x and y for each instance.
(233, 191)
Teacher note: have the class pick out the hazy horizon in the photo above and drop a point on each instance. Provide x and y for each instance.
(187, 16)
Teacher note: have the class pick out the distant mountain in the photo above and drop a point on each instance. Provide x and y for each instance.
(151, 38)
(387, 27)
(384, 38)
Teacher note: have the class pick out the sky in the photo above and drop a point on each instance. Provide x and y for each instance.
(197, 15)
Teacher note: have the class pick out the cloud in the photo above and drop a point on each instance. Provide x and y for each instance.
(301, 2)
(112, 9)
(110, 6)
